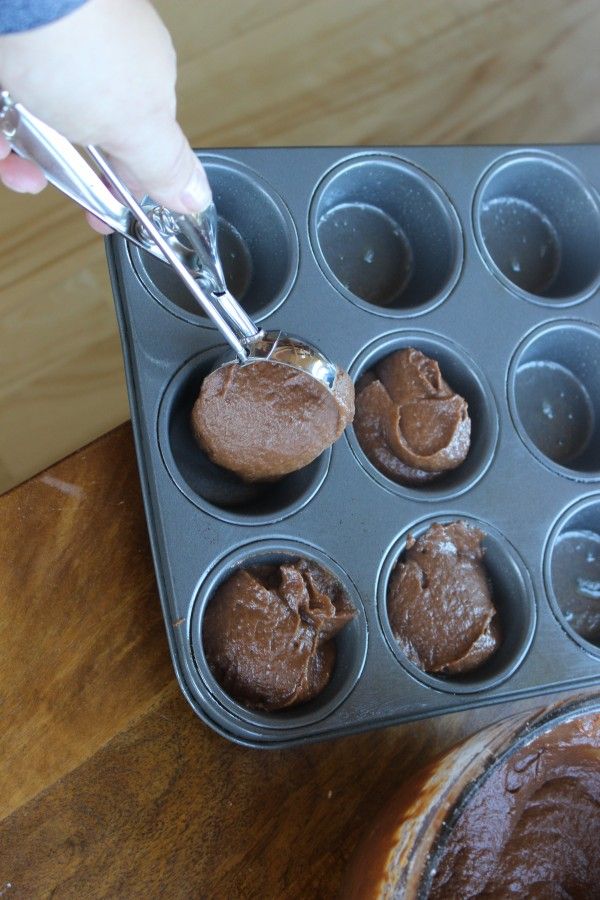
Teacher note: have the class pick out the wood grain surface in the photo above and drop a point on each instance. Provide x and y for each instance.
(255, 72)
(110, 786)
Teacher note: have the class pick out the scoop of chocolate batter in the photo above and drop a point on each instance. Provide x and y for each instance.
(267, 419)
(409, 422)
(268, 633)
(440, 602)
(533, 827)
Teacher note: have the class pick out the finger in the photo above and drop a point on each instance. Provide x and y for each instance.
(21, 175)
(97, 224)
(162, 164)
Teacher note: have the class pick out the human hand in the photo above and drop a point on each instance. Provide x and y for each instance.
(105, 75)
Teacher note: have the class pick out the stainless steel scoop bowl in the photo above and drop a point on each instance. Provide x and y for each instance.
(187, 242)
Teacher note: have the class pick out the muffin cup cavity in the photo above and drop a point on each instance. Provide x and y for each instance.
(214, 489)
(386, 235)
(554, 397)
(512, 594)
(351, 642)
(537, 225)
(464, 377)
(258, 246)
(572, 572)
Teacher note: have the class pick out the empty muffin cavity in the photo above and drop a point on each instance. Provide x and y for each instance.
(554, 395)
(537, 223)
(211, 487)
(486, 615)
(257, 241)
(572, 572)
(386, 235)
(463, 414)
(278, 633)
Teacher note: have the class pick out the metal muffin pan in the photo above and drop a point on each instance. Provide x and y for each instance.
(485, 258)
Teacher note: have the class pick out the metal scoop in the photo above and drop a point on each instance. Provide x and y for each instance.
(187, 242)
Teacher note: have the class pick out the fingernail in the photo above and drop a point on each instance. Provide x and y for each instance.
(197, 195)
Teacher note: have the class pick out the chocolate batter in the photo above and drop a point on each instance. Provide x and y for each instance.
(533, 828)
(268, 633)
(440, 602)
(409, 422)
(267, 419)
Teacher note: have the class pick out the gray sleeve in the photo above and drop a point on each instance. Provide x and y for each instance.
(21, 15)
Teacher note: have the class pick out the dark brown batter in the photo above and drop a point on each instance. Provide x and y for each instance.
(440, 603)
(267, 419)
(533, 829)
(409, 422)
(268, 633)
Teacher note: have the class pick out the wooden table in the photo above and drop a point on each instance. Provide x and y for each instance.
(110, 786)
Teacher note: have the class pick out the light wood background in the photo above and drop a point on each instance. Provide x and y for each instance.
(254, 72)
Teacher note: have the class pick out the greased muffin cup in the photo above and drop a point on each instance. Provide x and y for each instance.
(572, 572)
(512, 595)
(463, 376)
(214, 489)
(386, 235)
(482, 258)
(554, 395)
(257, 240)
(537, 223)
(351, 642)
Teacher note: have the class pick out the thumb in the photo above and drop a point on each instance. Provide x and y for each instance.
(157, 160)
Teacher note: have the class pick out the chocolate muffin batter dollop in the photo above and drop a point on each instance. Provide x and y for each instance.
(409, 422)
(533, 827)
(439, 601)
(268, 633)
(265, 420)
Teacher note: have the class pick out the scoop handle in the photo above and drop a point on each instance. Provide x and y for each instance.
(236, 327)
(65, 168)
(61, 163)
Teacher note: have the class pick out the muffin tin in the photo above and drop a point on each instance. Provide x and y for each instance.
(488, 260)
